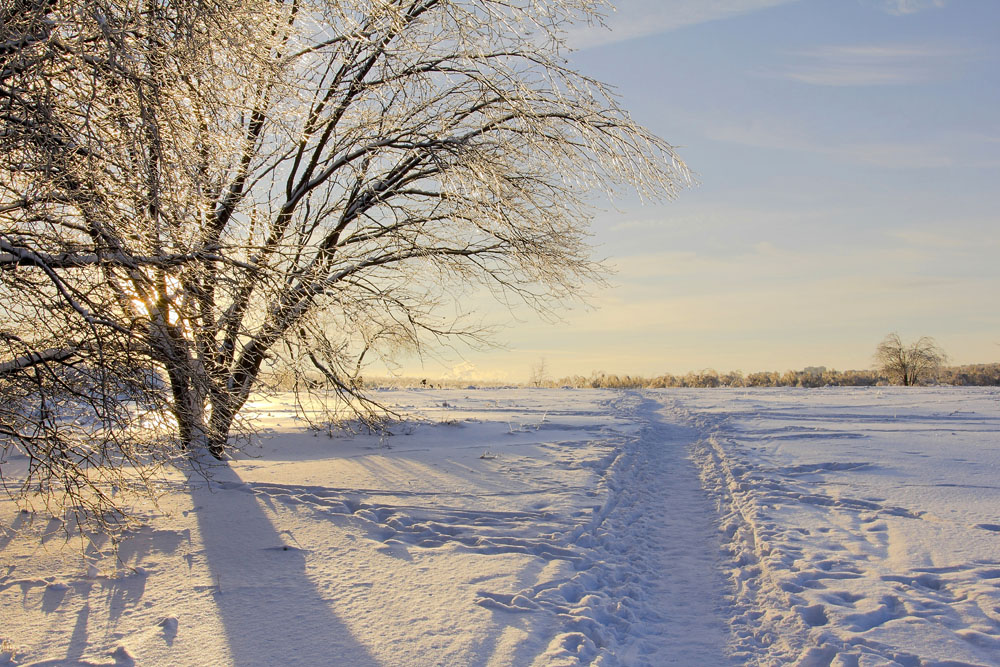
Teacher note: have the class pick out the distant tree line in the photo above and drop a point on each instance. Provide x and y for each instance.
(974, 375)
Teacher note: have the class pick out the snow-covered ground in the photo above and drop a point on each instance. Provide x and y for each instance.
(863, 524)
(551, 527)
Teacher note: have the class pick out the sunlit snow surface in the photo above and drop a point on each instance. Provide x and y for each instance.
(551, 527)
(863, 524)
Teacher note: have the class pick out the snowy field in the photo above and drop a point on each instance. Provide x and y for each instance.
(551, 527)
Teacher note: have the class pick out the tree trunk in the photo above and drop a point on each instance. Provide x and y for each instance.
(226, 404)
(218, 435)
(189, 410)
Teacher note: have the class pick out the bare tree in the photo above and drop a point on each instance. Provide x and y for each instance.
(908, 364)
(196, 194)
(539, 375)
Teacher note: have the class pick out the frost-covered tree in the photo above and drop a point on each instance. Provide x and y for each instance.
(195, 195)
(539, 374)
(908, 364)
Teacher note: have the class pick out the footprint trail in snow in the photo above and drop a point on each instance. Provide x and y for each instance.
(649, 591)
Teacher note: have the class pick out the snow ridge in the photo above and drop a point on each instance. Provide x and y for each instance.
(766, 631)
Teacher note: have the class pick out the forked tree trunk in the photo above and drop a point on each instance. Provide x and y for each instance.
(205, 407)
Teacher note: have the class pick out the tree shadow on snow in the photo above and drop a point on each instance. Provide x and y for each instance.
(272, 612)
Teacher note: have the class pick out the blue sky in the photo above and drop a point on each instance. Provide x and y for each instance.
(848, 158)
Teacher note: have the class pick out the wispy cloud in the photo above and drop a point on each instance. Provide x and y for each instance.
(940, 150)
(974, 237)
(639, 18)
(898, 155)
(904, 7)
(873, 65)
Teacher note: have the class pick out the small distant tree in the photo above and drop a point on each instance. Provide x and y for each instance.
(908, 364)
(539, 374)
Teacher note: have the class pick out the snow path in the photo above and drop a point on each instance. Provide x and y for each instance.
(665, 525)
(653, 592)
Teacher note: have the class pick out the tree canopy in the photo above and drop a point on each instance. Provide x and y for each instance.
(196, 194)
(909, 364)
